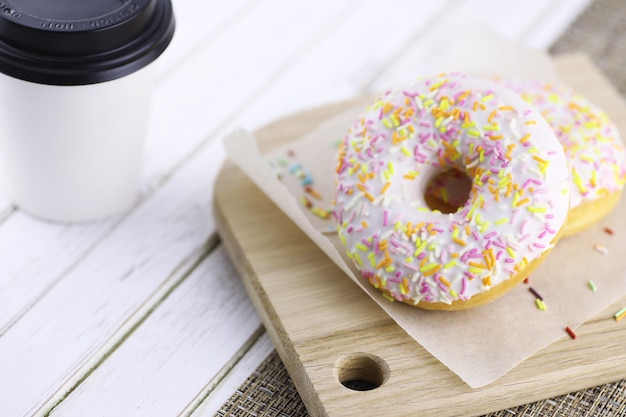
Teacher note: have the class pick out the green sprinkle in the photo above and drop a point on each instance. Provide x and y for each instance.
(592, 286)
(620, 313)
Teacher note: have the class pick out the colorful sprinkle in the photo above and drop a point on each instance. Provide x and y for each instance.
(620, 314)
(592, 286)
(600, 249)
(570, 332)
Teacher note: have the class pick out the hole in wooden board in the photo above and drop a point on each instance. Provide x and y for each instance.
(361, 371)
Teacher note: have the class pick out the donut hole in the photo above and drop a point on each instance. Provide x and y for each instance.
(448, 191)
(361, 372)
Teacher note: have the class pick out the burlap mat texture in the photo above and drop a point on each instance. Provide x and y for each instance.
(600, 32)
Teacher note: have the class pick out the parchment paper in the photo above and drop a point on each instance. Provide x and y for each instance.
(481, 344)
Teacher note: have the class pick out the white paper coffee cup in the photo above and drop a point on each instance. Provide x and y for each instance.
(75, 92)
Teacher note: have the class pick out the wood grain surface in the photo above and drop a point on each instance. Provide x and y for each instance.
(327, 331)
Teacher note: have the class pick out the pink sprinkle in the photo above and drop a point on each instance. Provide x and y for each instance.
(542, 234)
(385, 218)
(499, 254)
(411, 267)
(463, 286)
(527, 183)
(539, 245)
(475, 234)
(523, 238)
(366, 243)
(498, 244)
(522, 228)
(509, 261)
(490, 235)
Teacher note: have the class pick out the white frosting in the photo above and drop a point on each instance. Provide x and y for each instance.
(594, 151)
(518, 202)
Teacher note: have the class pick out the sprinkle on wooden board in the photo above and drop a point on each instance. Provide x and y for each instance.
(608, 231)
(570, 332)
(620, 314)
(592, 285)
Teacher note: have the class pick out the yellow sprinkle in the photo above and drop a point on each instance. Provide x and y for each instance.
(450, 264)
(445, 282)
(536, 209)
(510, 251)
(364, 223)
(362, 247)
(385, 188)
(540, 304)
(405, 151)
(459, 241)
(502, 221)
(432, 271)
(522, 202)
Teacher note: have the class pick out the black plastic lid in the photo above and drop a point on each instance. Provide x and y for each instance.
(75, 42)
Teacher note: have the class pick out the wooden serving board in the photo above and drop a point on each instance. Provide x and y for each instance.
(327, 331)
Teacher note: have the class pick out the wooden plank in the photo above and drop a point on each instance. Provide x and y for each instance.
(352, 335)
(345, 58)
(237, 376)
(99, 301)
(529, 22)
(553, 22)
(180, 346)
(182, 101)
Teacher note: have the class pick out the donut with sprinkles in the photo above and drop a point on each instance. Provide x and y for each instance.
(514, 214)
(595, 153)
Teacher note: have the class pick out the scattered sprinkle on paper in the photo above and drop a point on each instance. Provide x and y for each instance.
(601, 249)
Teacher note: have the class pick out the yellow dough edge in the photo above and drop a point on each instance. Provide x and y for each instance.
(589, 213)
(491, 294)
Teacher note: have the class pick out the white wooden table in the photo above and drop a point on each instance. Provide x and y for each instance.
(142, 314)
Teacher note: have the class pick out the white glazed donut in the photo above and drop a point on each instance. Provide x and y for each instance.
(516, 209)
(595, 154)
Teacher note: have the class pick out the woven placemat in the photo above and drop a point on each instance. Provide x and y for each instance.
(269, 392)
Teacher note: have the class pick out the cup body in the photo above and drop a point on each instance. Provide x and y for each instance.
(76, 83)
(74, 153)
